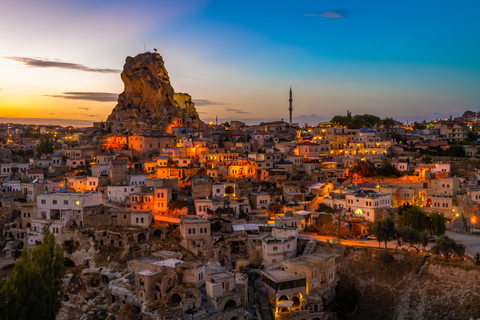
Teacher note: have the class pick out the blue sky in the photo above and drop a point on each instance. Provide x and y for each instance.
(409, 59)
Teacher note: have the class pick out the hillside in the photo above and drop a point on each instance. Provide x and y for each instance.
(412, 287)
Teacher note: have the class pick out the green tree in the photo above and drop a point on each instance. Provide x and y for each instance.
(437, 223)
(384, 230)
(413, 217)
(414, 238)
(447, 246)
(398, 137)
(427, 159)
(419, 126)
(456, 151)
(472, 136)
(387, 170)
(388, 122)
(45, 146)
(322, 207)
(34, 289)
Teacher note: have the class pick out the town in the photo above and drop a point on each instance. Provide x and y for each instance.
(163, 216)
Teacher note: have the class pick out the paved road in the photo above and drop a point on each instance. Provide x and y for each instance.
(471, 242)
(361, 243)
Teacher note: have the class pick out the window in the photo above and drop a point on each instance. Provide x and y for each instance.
(124, 216)
(65, 201)
(275, 248)
(141, 220)
(54, 202)
(136, 220)
(77, 202)
(44, 201)
(189, 231)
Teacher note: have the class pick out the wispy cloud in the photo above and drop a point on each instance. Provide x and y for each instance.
(236, 110)
(84, 108)
(185, 77)
(46, 63)
(47, 121)
(91, 96)
(201, 103)
(332, 14)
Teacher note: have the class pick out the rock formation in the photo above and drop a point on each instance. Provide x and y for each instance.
(149, 100)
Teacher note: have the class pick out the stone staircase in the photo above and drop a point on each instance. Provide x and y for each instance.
(310, 247)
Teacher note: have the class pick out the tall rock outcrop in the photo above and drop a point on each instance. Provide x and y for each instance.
(149, 100)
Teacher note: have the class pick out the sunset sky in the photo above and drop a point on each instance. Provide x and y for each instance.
(405, 59)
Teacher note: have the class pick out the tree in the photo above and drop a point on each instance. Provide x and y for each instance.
(325, 225)
(456, 151)
(477, 259)
(414, 238)
(437, 223)
(322, 207)
(45, 146)
(364, 169)
(447, 246)
(384, 230)
(419, 126)
(397, 137)
(388, 122)
(427, 159)
(34, 289)
(387, 170)
(472, 136)
(414, 217)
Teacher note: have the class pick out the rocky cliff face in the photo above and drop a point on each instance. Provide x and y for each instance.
(412, 286)
(149, 100)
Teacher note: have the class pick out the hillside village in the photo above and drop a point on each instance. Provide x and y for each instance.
(192, 220)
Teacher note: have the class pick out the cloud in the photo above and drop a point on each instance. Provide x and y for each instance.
(185, 77)
(332, 14)
(84, 108)
(46, 63)
(437, 114)
(91, 96)
(47, 121)
(201, 103)
(236, 110)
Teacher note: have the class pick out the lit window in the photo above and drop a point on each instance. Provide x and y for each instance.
(77, 202)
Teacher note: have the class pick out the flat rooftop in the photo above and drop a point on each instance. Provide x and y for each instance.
(279, 275)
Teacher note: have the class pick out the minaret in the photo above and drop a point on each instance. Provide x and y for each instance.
(216, 120)
(291, 108)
